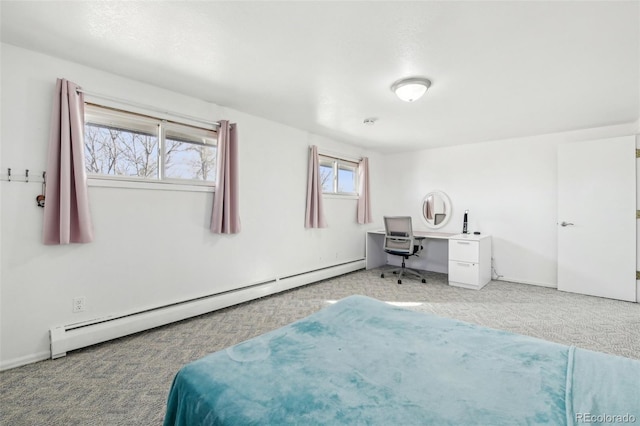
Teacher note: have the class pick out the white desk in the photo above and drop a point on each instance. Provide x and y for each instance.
(469, 266)
(376, 256)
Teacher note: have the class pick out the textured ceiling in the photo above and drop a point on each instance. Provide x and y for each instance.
(499, 69)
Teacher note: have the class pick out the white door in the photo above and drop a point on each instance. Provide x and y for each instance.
(597, 218)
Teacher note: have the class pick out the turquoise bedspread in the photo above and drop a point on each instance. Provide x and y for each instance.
(364, 362)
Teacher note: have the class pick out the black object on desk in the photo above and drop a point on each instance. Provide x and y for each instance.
(464, 222)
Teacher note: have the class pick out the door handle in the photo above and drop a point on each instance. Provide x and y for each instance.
(566, 223)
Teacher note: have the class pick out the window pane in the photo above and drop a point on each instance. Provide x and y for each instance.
(119, 143)
(120, 152)
(189, 161)
(326, 176)
(183, 133)
(346, 179)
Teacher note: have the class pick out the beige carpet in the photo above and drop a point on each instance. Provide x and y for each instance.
(126, 381)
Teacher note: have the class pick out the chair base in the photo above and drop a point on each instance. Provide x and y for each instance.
(402, 271)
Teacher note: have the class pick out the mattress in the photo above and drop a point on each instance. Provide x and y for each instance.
(362, 361)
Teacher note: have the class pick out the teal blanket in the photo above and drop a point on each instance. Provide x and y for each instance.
(364, 362)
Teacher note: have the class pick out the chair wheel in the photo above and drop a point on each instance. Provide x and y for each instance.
(381, 275)
(424, 281)
(399, 281)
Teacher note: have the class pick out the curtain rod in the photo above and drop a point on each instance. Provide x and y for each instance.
(147, 107)
(338, 156)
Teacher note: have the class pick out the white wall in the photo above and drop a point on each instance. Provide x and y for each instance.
(151, 247)
(509, 188)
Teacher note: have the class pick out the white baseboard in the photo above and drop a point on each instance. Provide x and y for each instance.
(519, 281)
(555, 286)
(66, 338)
(24, 360)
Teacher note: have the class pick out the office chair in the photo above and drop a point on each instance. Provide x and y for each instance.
(400, 241)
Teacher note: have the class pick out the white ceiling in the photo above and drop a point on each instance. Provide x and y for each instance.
(499, 69)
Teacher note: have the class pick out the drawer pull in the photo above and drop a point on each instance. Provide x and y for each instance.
(463, 242)
(464, 264)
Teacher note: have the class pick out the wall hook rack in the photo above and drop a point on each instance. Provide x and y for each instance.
(26, 177)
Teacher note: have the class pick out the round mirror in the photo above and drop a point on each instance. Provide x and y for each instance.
(436, 209)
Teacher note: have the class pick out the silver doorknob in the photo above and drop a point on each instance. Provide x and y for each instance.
(566, 223)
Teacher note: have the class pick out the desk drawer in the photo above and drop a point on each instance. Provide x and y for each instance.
(466, 251)
(464, 272)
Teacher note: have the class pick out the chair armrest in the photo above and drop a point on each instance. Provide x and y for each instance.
(418, 240)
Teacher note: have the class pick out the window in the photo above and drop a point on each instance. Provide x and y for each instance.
(136, 147)
(338, 176)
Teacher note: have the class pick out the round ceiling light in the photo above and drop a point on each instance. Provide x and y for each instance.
(410, 89)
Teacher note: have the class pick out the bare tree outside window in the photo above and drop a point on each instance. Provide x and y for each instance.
(338, 176)
(189, 161)
(118, 143)
(326, 177)
(120, 152)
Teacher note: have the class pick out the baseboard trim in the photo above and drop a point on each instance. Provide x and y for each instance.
(519, 281)
(65, 338)
(24, 360)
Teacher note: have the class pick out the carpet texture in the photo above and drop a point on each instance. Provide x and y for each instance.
(126, 381)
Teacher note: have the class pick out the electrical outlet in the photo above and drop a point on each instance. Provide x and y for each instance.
(78, 304)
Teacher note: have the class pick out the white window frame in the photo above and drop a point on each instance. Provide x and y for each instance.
(103, 115)
(336, 163)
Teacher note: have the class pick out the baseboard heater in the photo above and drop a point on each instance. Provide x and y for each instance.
(75, 336)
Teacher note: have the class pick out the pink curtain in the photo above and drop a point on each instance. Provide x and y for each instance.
(364, 201)
(66, 211)
(429, 208)
(314, 217)
(225, 217)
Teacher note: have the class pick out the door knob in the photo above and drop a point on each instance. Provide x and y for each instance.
(566, 223)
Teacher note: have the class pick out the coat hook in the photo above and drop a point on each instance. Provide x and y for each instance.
(26, 176)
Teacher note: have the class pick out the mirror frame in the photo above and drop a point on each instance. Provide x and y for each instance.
(447, 206)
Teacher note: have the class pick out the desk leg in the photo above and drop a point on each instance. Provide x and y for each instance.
(374, 251)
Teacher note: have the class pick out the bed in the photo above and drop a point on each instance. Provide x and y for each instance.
(361, 361)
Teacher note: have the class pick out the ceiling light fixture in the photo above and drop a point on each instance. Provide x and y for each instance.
(410, 89)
